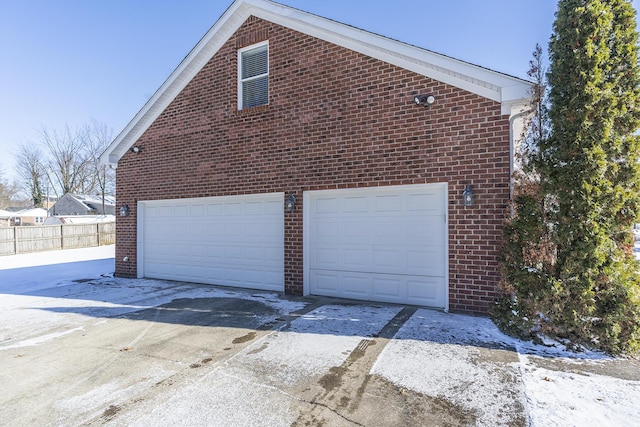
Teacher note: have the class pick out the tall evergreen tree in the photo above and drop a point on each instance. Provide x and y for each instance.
(589, 166)
(589, 172)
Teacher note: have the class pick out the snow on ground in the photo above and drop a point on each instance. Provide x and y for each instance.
(557, 398)
(322, 338)
(249, 386)
(76, 283)
(554, 398)
(82, 284)
(106, 252)
(25, 272)
(452, 346)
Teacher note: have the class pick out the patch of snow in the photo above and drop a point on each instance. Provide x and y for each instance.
(33, 259)
(450, 341)
(41, 339)
(557, 398)
(248, 386)
(322, 338)
(439, 355)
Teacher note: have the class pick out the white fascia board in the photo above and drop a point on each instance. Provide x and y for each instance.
(466, 76)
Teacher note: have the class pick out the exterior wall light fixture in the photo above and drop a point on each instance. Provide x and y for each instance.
(135, 149)
(124, 210)
(425, 100)
(467, 196)
(290, 203)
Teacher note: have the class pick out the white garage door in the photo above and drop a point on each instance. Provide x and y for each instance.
(233, 241)
(381, 244)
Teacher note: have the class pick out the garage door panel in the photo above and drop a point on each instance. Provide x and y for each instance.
(325, 230)
(232, 209)
(427, 201)
(354, 285)
(269, 228)
(181, 250)
(398, 289)
(325, 282)
(356, 258)
(387, 203)
(426, 263)
(355, 204)
(231, 240)
(324, 205)
(387, 288)
(197, 210)
(215, 229)
(233, 230)
(355, 231)
(275, 256)
(253, 253)
(387, 259)
(273, 208)
(254, 208)
(215, 209)
(233, 253)
(253, 277)
(379, 243)
(165, 212)
(198, 230)
(428, 290)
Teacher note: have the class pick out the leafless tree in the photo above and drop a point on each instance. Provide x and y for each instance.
(69, 160)
(31, 173)
(98, 136)
(66, 161)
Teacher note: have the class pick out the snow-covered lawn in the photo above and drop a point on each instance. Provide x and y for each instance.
(559, 388)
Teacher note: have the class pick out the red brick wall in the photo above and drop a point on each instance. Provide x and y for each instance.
(336, 119)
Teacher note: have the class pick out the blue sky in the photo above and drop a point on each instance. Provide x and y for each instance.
(68, 62)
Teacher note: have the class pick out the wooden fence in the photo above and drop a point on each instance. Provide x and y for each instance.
(17, 240)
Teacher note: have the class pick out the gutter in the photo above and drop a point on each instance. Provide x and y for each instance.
(512, 149)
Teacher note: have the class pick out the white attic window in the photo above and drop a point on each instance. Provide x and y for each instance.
(253, 75)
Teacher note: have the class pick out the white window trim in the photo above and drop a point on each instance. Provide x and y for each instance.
(240, 80)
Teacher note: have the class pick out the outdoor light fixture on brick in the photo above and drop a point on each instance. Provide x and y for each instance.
(425, 100)
(290, 203)
(467, 196)
(124, 210)
(136, 149)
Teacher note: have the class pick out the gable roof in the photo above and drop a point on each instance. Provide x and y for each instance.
(90, 200)
(510, 91)
(86, 202)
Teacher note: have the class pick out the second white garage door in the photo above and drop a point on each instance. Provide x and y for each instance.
(233, 241)
(380, 244)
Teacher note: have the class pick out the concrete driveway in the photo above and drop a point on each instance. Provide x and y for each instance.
(79, 347)
(110, 351)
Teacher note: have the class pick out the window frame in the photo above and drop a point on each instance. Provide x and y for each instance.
(241, 80)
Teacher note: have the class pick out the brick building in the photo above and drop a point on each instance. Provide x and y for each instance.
(293, 153)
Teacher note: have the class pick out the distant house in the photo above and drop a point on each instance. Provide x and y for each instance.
(83, 204)
(79, 219)
(33, 216)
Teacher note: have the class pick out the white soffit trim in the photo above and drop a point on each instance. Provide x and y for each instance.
(507, 90)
